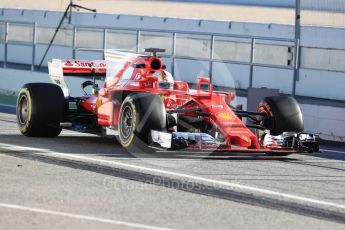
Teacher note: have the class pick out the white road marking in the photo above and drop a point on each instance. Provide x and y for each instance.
(214, 183)
(81, 217)
(332, 151)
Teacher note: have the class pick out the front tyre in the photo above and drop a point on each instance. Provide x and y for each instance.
(139, 114)
(40, 108)
(281, 114)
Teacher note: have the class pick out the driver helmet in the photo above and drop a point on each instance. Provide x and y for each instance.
(165, 79)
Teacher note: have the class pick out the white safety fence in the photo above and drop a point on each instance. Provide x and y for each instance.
(235, 55)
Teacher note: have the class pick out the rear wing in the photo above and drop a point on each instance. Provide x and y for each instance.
(59, 68)
(84, 67)
(71, 67)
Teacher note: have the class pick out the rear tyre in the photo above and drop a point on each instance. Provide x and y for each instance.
(139, 114)
(283, 114)
(40, 109)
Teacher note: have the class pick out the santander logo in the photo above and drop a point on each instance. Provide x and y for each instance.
(84, 64)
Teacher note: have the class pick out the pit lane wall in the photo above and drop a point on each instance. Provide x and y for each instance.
(267, 62)
(327, 121)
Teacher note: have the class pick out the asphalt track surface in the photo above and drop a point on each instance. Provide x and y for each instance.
(81, 181)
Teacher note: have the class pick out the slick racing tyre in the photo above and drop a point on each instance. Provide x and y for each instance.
(139, 114)
(40, 108)
(281, 114)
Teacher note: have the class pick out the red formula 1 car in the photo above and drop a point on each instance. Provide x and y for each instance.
(142, 102)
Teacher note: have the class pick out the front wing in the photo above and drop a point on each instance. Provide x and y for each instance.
(302, 142)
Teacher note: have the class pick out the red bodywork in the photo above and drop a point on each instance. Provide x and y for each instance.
(131, 78)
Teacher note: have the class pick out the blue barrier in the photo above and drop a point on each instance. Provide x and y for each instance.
(273, 3)
(323, 5)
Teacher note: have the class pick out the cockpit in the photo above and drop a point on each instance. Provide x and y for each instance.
(136, 69)
(165, 79)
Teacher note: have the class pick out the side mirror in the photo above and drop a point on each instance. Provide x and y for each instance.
(103, 92)
(204, 84)
(230, 97)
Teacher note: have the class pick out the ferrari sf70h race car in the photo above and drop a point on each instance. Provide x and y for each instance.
(145, 106)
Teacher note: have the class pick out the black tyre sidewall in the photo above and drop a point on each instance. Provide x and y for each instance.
(46, 104)
(286, 115)
(149, 114)
(126, 142)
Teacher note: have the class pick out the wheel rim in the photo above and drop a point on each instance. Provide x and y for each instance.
(126, 122)
(23, 109)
